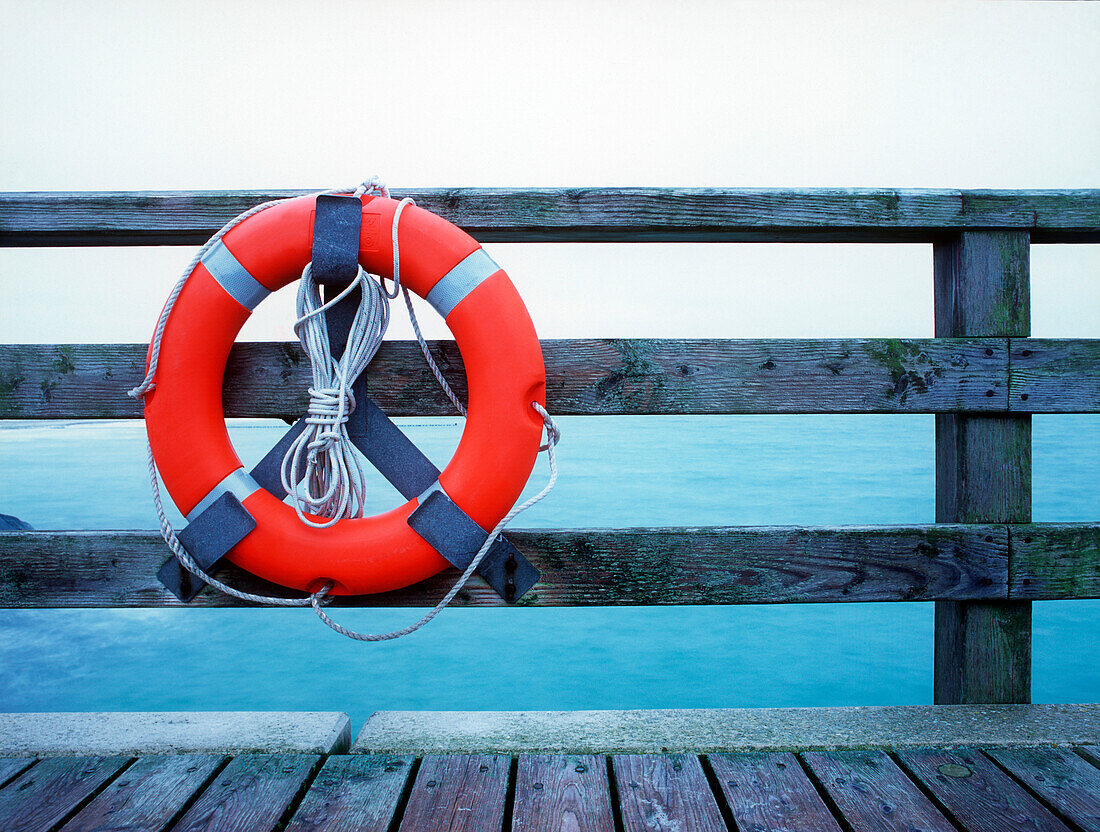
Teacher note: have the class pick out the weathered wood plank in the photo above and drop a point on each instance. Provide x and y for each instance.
(1061, 778)
(983, 468)
(1054, 376)
(47, 218)
(50, 790)
(771, 791)
(580, 567)
(1090, 753)
(251, 793)
(873, 793)
(665, 793)
(358, 792)
(562, 793)
(602, 377)
(584, 376)
(11, 766)
(982, 635)
(147, 795)
(1054, 560)
(458, 793)
(980, 796)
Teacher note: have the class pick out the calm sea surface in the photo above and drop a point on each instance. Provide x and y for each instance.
(616, 471)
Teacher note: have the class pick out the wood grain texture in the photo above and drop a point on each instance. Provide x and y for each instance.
(359, 792)
(562, 793)
(665, 793)
(1062, 780)
(11, 766)
(584, 377)
(148, 795)
(983, 468)
(771, 791)
(251, 793)
(983, 652)
(1054, 376)
(1090, 753)
(980, 796)
(872, 793)
(580, 567)
(583, 214)
(51, 789)
(458, 793)
(982, 285)
(1054, 560)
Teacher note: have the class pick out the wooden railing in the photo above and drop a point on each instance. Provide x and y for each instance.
(983, 561)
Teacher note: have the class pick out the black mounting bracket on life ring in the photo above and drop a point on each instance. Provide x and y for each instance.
(437, 519)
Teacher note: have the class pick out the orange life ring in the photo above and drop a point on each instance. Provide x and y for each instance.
(490, 324)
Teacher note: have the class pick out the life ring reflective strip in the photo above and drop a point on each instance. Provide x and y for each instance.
(494, 334)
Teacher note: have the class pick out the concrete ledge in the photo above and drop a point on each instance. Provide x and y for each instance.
(228, 732)
(742, 729)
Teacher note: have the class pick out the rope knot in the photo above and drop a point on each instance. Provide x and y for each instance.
(328, 412)
(373, 185)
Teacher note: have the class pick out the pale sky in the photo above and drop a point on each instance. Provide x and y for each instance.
(100, 95)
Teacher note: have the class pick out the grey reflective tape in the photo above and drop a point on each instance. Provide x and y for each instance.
(239, 482)
(233, 277)
(435, 486)
(453, 287)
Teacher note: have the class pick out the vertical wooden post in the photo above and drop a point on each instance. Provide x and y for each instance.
(983, 469)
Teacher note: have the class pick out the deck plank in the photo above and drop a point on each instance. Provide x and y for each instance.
(458, 793)
(1091, 753)
(980, 796)
(358, 792)
(50, 790)
(148, 794)
(250, 795)
(771, 791)
(665, 792)
(11, 766)
(562, 792)
(873, 793)
(1061, 778)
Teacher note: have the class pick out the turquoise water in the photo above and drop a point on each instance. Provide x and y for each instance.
(616, 471)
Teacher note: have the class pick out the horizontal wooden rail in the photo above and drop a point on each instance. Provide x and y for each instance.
(1054, 376)
(596, 567)
(611, 376)
(585, 214)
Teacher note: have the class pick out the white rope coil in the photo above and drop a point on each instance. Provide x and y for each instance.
(332, 478)
(322, 462)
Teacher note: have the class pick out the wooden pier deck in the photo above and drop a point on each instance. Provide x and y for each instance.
(972, 789)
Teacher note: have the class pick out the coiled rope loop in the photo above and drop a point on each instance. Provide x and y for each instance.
(332, 476)
(332, 480)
